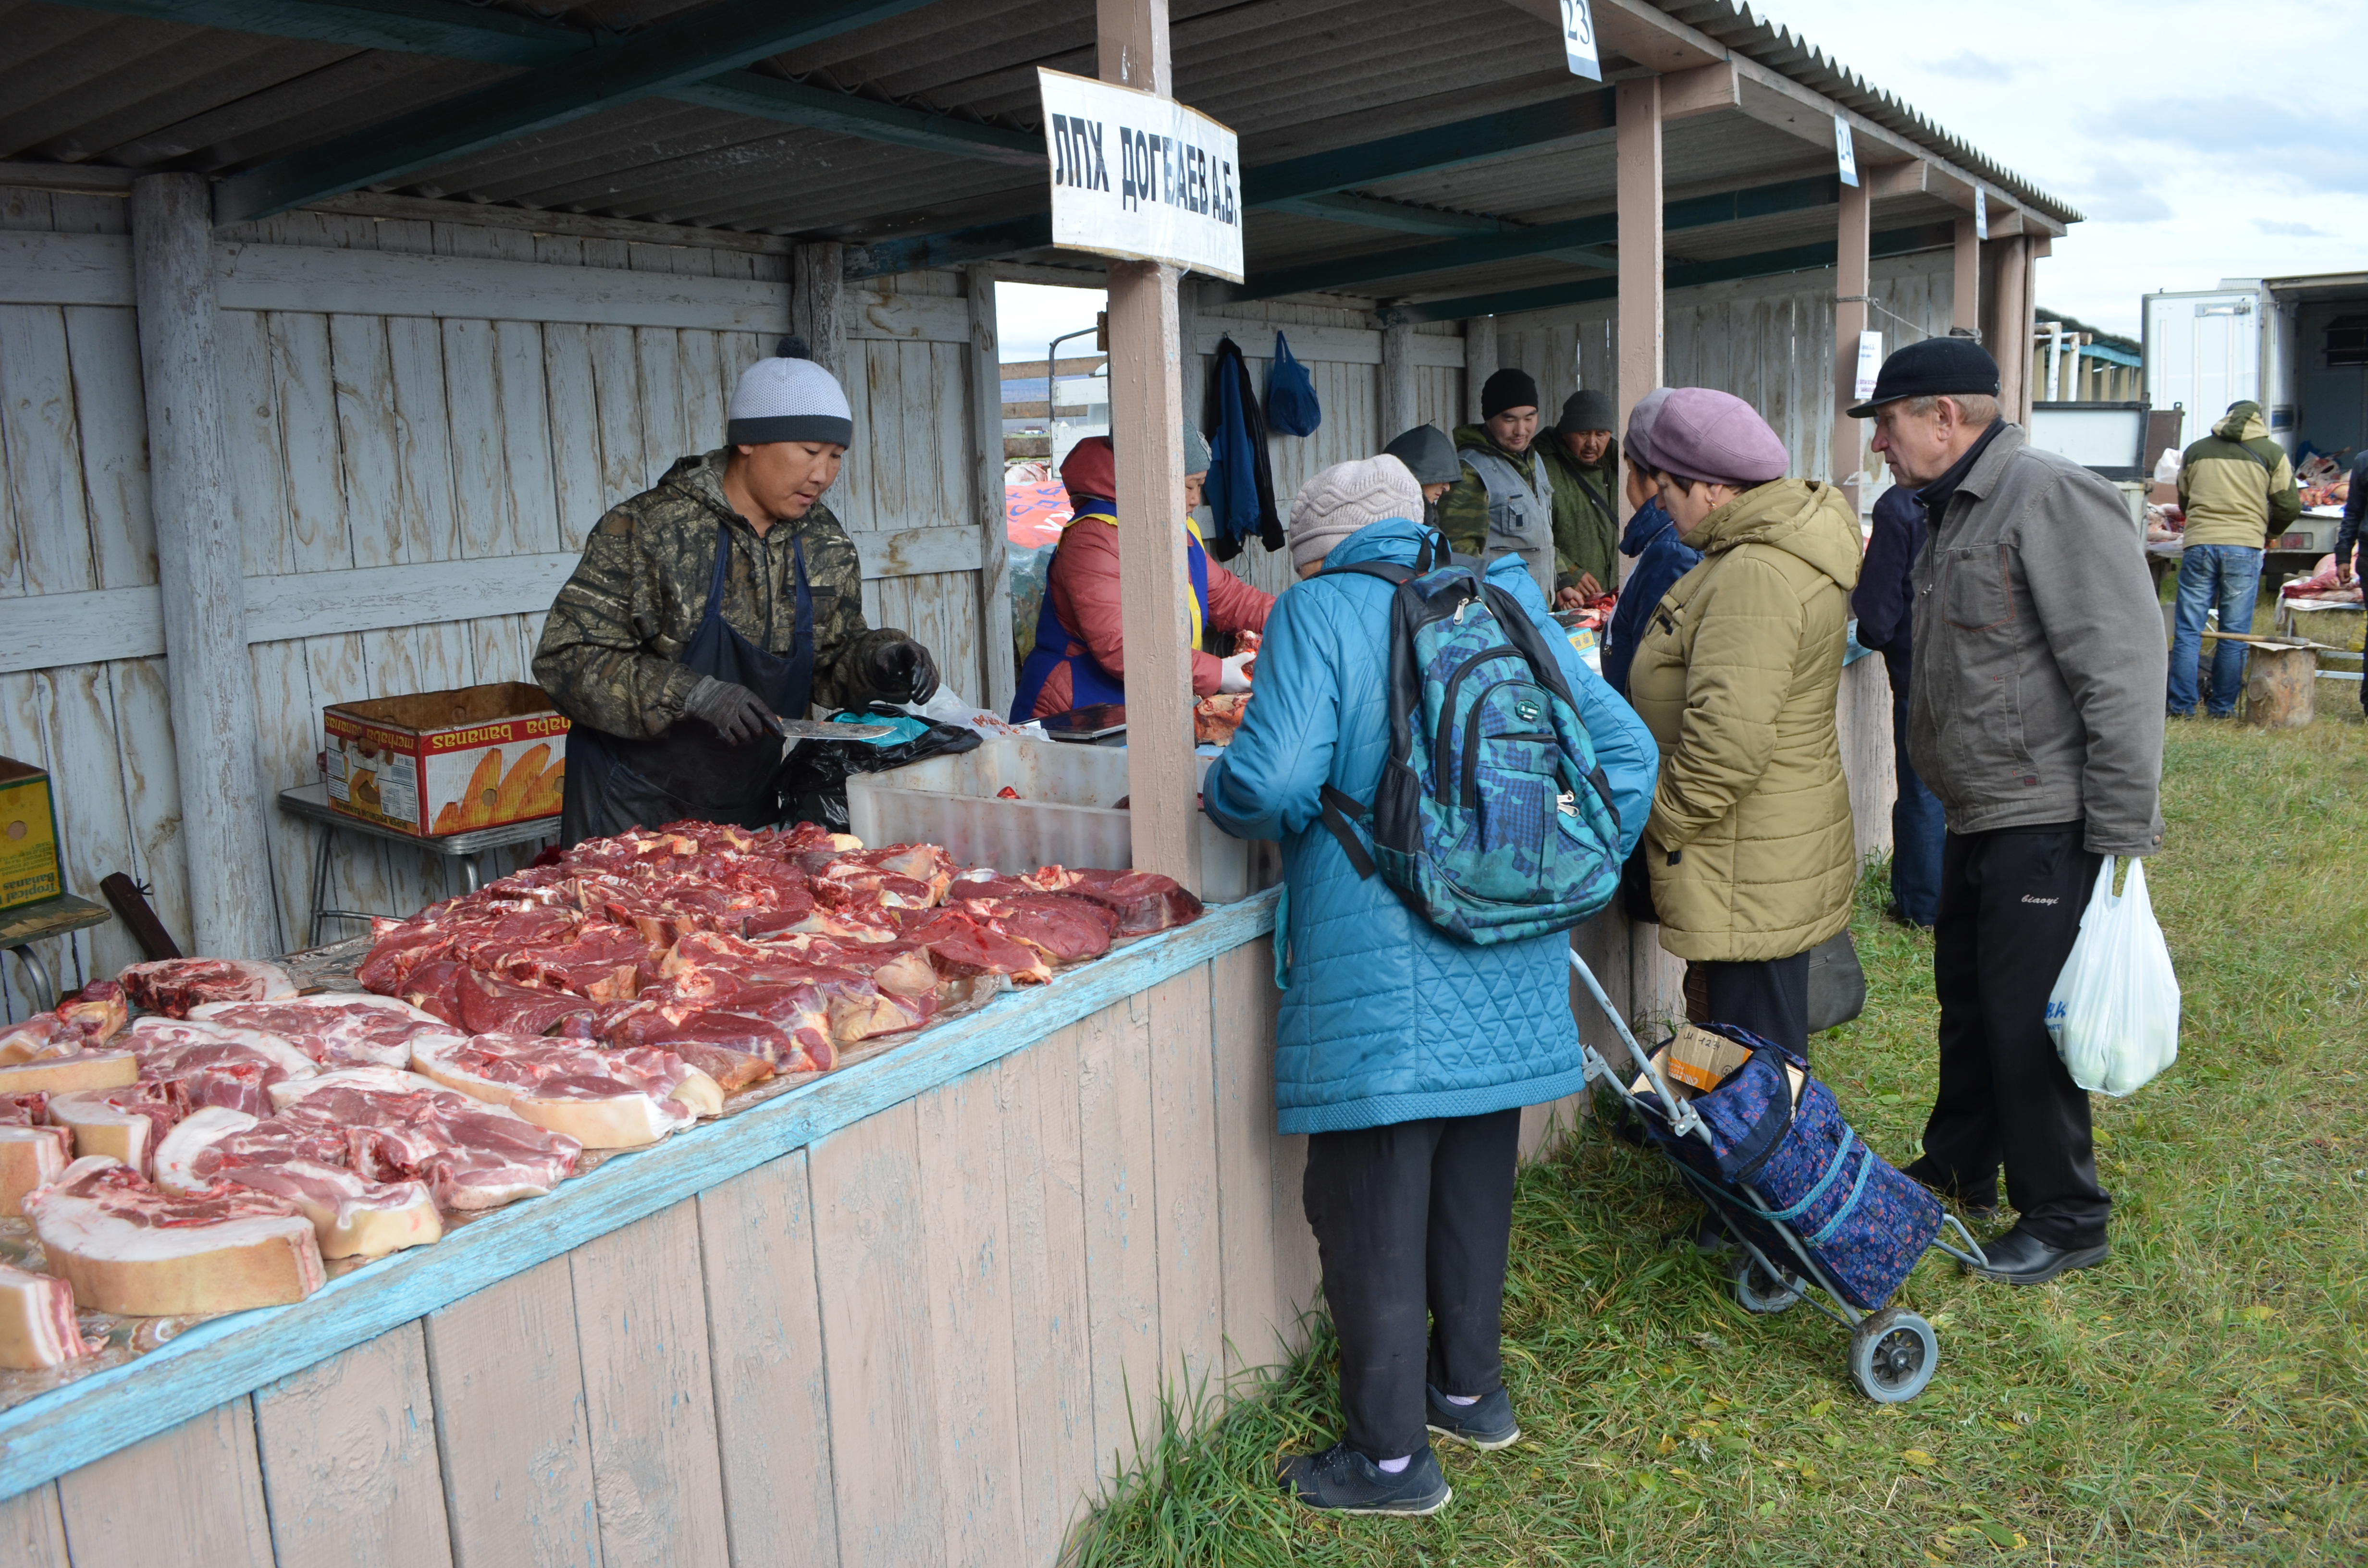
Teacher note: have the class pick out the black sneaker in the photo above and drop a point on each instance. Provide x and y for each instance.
(1487, 1426)
(1342, 1480)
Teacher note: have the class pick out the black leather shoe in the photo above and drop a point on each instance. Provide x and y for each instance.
(2018, 1257)
(1342, 1480)
(1981, 1206)
(1487, 1426)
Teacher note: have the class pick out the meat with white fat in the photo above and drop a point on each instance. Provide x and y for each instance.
(129, 1249)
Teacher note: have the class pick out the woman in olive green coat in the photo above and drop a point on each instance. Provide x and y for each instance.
(1751, 846)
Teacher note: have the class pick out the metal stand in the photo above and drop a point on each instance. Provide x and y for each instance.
(311, 801)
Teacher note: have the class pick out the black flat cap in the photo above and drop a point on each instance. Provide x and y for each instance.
(1938, 367)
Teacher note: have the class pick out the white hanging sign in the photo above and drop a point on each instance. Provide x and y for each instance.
(1578, 40)
(1981, 214)
(1141, 177)
(1870, 363)
(1843, 149)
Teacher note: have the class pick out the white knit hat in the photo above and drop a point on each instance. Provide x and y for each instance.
(789, 398)
(1344, 498)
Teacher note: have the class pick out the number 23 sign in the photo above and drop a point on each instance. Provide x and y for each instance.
(1578, 40)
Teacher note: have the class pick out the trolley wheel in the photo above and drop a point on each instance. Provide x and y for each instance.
(1755, 1292)
(1893, 1354)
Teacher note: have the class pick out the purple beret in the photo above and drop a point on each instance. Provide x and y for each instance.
(1716, 437)
(1640, 426)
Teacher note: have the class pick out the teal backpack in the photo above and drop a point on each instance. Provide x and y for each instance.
(1493, 820)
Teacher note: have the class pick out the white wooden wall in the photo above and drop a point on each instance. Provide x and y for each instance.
(1768, 340)
(419, 452)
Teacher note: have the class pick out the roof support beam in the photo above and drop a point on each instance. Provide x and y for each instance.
(1545, 238)
(1683, 275)
(467, 32)
(1584, 116)
(1400, 217)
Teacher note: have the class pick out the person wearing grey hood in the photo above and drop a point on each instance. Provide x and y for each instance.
(1430, 456)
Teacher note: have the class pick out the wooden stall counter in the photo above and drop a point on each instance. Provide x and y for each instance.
(926, 1302)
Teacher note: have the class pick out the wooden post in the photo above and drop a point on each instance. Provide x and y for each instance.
(818, 308)
(1398, 399)
(1195, 373)
(1479, 362)
(1147, 431)
(1965, 310)
(1850, 279)
(198, 569)
(1638, 152)
(2010, 333)
(996, 657)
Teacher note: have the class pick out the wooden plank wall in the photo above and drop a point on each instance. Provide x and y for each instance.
(928, 1339)
(1343, 359)
(1767, 340)
(362, 440)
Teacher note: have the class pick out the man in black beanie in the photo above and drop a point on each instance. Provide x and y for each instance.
(1503, 503)
(1582, 458)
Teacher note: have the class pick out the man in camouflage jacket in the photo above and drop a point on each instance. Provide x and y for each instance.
(608, 650)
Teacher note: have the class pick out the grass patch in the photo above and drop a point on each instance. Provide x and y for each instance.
(2198, 1399)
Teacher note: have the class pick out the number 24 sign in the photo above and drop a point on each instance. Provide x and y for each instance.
(1578, 40)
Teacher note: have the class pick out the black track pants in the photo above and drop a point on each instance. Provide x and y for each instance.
(1412, 1222)
(2011, 905)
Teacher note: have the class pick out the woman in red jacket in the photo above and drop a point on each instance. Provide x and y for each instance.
(1080, 654)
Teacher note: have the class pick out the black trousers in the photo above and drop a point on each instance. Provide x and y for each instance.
(2011, 905)
(1412, 1222)
(1768, 996)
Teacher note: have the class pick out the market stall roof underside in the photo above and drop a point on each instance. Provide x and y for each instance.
(1436, 157)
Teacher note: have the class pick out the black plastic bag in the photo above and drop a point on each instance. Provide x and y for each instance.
(814, 780)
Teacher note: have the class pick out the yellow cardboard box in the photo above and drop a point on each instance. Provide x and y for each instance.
(28, 836)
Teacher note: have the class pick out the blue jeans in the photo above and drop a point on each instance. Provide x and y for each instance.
(1917, 828)
(2221, 577)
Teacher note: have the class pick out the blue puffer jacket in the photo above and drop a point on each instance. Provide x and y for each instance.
(1384, 1018)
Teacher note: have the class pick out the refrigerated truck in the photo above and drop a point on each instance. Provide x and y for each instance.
(2296, 345)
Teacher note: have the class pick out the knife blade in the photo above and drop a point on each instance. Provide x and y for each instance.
(812, 729)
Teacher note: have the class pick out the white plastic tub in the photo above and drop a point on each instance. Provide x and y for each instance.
(1066, 813)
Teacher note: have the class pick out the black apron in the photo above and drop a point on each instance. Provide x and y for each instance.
(612, 783)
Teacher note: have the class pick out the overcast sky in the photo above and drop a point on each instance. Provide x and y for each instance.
(2202, 142)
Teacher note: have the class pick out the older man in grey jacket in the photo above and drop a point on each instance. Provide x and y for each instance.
(2035, 715)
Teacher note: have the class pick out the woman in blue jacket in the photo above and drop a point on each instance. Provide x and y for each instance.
(1404, 1053)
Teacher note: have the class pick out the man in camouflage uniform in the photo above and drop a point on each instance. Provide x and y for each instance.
(614, 647)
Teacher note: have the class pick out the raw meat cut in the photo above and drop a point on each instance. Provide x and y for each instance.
(214, 1063)
(1145, 902)
(173, 986)
(176, 1157)
(735, 1049)
(397, 951)
(101, 1009)
(32, 1150)
(346, 1030)
(499, 1007)
(37, 1327)
(598, 963)
(958, 944)
(130, 1249)
(1215, 718)
(44, 1036)
(1065, 930)
(303, 1163)
(434, 988)
(124, 1124)
(75, 1069)
(603, 1100)
(401, 1127)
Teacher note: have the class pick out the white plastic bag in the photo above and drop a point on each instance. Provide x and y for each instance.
(2114, 1012)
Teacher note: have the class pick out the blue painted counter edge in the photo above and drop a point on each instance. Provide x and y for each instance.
(227, 1357)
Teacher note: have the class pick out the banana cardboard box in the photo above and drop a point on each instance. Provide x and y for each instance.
(28, 836)
(442, 762)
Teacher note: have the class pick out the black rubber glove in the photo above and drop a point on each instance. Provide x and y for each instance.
(901, 672)
(737, 714)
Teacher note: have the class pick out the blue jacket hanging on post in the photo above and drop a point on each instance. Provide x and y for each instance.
(1385, 1018)
(1240, 486)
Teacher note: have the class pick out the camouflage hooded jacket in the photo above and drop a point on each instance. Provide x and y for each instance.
(610, 646)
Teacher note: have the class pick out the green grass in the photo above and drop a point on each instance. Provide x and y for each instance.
(2197, 1400)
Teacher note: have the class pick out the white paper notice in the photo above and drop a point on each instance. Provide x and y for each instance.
(1844, 151)
(1141, 177)
(1578, 40)
(1981, 214)
(1869, 362)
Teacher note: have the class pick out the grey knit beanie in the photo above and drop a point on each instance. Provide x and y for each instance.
(1428, 451)
(1586, 411)
(1196, 452)
(1344, 498)
(789, 398)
